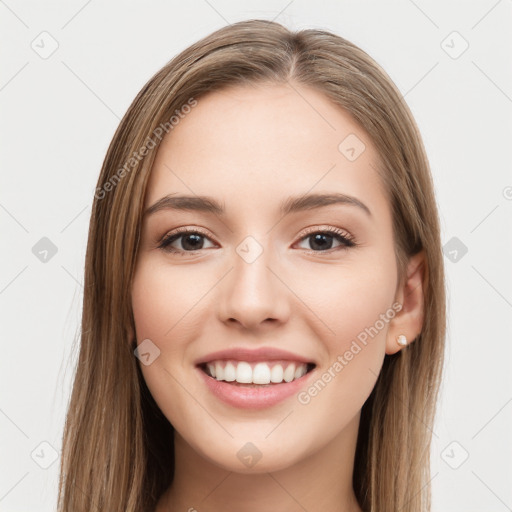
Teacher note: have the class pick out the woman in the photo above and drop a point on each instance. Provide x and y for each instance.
(264, 306)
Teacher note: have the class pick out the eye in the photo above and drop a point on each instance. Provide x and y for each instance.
(322, 240)
(186, 239)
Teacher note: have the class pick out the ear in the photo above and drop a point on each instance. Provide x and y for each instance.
(409, 320)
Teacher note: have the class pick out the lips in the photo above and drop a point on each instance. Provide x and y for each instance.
(254, 355)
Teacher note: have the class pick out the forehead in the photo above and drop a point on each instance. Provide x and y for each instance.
(264, 142)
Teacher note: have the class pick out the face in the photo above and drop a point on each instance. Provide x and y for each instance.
(264, 307)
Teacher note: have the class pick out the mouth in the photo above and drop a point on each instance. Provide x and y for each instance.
(256, 374)
(254, 378)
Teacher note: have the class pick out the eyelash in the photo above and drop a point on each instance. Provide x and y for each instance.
(344, 238)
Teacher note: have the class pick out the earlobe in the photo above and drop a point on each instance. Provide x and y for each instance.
(407, 324)
(402, 340)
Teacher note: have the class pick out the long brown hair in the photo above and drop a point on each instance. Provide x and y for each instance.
(118, 446)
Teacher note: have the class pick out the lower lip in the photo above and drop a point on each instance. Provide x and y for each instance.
(253, 397)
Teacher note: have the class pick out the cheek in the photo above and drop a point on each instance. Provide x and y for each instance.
(362, 313)
(351, 301)
(160, 300)
(162, 305)
(357, 309)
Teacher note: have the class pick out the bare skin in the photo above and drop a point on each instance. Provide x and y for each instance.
(250, 148)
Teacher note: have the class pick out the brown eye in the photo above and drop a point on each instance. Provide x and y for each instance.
(184, 241)
(319, 241)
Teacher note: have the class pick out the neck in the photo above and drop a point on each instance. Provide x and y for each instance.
(321, 481)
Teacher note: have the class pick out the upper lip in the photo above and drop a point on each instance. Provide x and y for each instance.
(259, 354)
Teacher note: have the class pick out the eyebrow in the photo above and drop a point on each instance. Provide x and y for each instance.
(290, 205)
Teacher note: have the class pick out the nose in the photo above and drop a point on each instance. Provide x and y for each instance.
(253, 295)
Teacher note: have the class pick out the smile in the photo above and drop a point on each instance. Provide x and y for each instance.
(254, 378)
(256, 373)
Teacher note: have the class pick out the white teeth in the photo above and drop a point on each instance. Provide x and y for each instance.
(276, 374)
(300, 371)
(243, 373)
(255, 373)
(261, 374)
(229, 372)
(289, 373)
(219, 371)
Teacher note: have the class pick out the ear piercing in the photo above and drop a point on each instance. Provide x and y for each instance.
(401, 340)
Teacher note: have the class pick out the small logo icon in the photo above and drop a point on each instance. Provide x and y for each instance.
(454, 45)
(249, 249)
(351, 147)
(44, 455)
(45, 45)
(454, 249)
(455, 455)
(507, 193)
(44, 250)
(249, 455)
(146, 352)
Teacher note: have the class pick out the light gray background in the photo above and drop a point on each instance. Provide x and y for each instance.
(59, 114)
